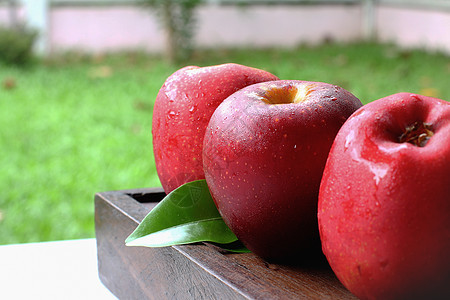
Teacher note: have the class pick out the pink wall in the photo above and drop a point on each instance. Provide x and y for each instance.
(280, 25)
(112, 28)
(414, 27)
(124, 27)
(5, 18)
(99, 29)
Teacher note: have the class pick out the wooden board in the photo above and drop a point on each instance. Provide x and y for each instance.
(200, 271)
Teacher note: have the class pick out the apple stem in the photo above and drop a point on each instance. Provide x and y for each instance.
(417, 134)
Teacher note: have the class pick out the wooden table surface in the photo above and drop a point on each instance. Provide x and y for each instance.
(199, 271)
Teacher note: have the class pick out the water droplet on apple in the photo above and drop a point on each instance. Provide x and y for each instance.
(416, 97)
(192, 109)
(171, 114)
(378, 171)
(349, 139)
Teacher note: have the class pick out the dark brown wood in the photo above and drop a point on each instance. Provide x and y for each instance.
(199, 271)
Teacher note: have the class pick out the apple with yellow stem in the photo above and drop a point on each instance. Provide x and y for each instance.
(264, 152)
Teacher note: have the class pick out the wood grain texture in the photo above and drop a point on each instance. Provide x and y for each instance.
(198, 271)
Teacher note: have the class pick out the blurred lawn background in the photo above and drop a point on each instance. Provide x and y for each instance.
(75, 125)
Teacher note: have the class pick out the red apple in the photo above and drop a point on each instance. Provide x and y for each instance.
(181, 113)
(264, 152)
(384, 204)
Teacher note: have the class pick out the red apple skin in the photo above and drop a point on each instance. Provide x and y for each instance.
(263, 162)
(384, 205)
(182, 111)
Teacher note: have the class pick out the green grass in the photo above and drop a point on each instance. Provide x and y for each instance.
(76, 125)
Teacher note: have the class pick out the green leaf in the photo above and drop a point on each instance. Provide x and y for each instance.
(186, 215)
